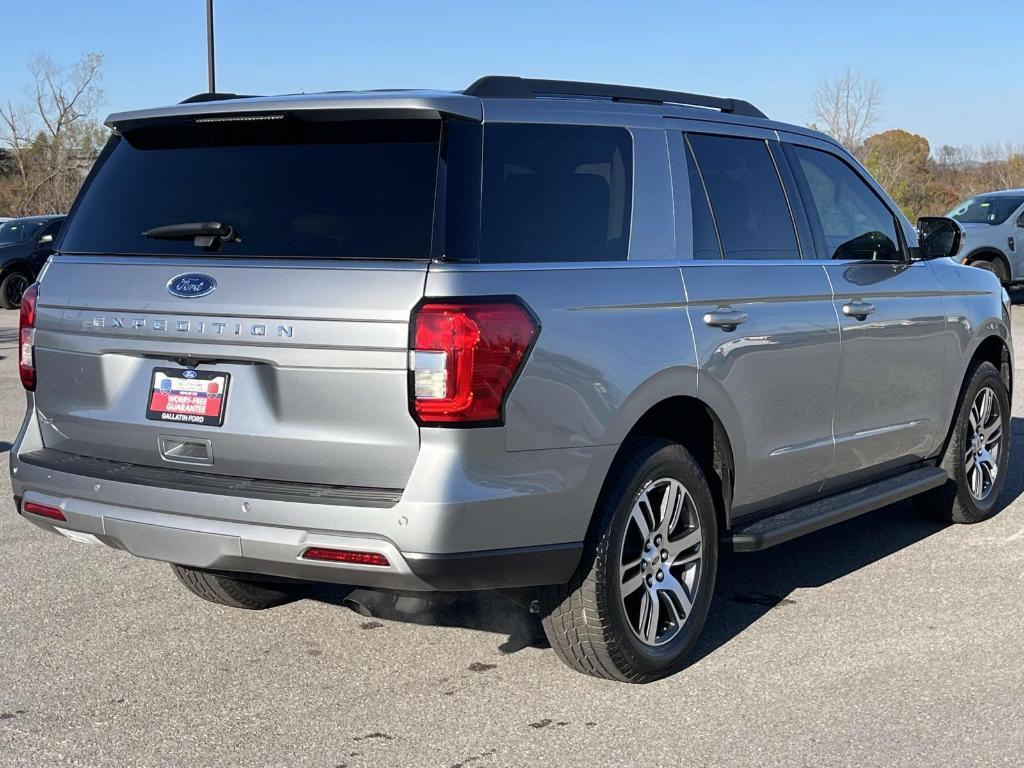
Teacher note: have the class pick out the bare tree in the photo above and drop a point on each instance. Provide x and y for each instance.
(51, 137)
(847, 107)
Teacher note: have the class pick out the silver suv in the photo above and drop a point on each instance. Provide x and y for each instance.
(562, 340)
(994, 224)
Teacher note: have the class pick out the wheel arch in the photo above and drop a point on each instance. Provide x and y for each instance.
(993, 349)
(988, 253)
(698, 427)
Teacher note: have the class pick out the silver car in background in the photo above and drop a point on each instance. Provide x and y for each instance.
(994, 225)
(560, 340)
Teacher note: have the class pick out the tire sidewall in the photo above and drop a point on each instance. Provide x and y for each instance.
(5, 284)
(669, 461)
(985, 375)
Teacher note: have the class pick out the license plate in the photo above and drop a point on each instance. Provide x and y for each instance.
(187, 396)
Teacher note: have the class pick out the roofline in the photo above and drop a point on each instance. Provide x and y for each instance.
(469, 104)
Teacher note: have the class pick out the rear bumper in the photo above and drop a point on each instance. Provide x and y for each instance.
(277, 551)
(472, 517)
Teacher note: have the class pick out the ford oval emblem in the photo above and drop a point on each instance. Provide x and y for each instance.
(191, 285)
(190, 374)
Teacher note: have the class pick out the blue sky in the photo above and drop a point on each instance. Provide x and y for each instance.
(951, 72)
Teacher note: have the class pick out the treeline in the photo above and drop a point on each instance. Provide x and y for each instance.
(927, 184)
(922, 182)
(50, 137)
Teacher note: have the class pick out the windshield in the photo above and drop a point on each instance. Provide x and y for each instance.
(286, 187)
(18, 231)
(986, 209)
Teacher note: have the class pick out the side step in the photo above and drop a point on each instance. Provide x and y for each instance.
(793, 523)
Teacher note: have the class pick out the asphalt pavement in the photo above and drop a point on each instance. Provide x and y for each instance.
(889, 640)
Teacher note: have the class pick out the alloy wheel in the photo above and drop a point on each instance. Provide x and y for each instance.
(984, 443)
(661, 559)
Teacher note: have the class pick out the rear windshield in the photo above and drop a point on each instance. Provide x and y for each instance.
(287, 187)
(987, 209)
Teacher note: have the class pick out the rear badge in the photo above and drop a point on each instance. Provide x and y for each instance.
(191, 285)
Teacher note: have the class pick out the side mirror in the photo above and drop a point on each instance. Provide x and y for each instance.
(45, 239)
(939, 237)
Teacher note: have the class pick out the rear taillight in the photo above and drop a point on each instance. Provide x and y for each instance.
(465, 358)
(27, 337)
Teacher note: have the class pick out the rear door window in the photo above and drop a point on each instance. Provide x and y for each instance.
(754, 220)
(289, 187)
(555, 193)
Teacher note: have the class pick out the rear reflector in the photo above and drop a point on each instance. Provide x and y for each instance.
(43, 510)
(345, 556)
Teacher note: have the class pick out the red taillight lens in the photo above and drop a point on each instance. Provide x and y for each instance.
(43, 510)
(465, 357)
(27, 338)
(345, 556)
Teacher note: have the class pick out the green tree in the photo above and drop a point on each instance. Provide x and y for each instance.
(901, 162)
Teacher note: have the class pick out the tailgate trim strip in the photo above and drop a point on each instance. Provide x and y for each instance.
(206, 482)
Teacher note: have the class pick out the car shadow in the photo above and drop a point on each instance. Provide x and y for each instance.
(1016, 293)
(748, 586)
(8, 336)
(4, 446)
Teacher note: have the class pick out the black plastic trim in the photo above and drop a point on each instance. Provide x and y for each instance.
(497, 568)
(504, 87)
(205, 482)
(822, 513)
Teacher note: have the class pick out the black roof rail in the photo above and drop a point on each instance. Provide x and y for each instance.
(503, 87)
(201, 97)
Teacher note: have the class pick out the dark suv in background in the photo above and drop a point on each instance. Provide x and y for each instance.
(25, 245)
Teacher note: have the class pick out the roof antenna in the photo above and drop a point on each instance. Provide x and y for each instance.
(209, 45)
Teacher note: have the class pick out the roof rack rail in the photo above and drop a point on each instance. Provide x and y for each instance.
(201, 97)
(503, 87)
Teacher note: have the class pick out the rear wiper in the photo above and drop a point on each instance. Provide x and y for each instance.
(204, 234)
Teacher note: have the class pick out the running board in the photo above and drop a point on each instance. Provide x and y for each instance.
(783, 526)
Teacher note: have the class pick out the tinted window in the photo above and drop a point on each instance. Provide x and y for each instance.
(53, 228)
(986, 209)
(289, 187)
(705, 240)
(18, 230)
(754, 220)
(855, 224)
(555, 193)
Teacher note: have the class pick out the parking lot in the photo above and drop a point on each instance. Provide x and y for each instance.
(889, 640)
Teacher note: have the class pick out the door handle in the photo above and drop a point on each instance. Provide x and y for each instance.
(725, 318)
(857, 308)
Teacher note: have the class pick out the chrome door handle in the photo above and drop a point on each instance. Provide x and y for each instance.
(726, 319)
(857, 308)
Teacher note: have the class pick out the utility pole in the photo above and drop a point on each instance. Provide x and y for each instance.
(209, 45)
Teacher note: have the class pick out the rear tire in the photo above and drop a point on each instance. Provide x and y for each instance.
(972, 493)
(613, 619)
(11, 289)
(234, 591)
(995, 267)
